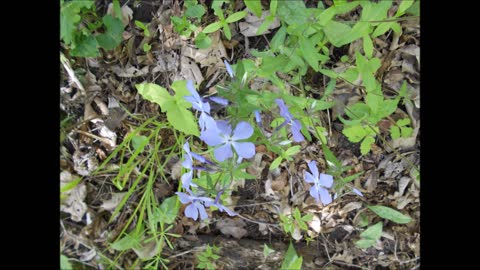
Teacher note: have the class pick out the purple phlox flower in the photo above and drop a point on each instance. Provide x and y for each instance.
(294, 123)
(356, 191)
(220, 207)
(321, 183)
(188, 164)
(221, 135)
(219, 100)
(197, 205)
(229, 68)
(198, 104)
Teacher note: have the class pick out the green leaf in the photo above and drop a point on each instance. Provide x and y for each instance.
(404, 5)
(310, 53)
(155, 93)
(406, 132)
(342, 7)
(113, 35)
(138, 141)
(292, 261)
(182, 120)
(275, 163)
(373, 232)
(255, 6)
(390, 214)
(414, 9)
(212, 27)
(236, 16)
(196, 11)
(351, 177)
(267, 250)
(368, 46)
(69, 18)
(271, 64)
(366, 145)
(85, 46)
(382, 28)
(227, 32)
(203, 41)
(330, 73)
(292, 150)
(264, 26)
(307, 218)
(279, 38)
(326, 16)
(65, 264)
(127, 242)
(354, 133)
(336, 32)
(395, 132)
(168, 210)
(147, 47)
(365, 243)
(403, 122)
(273, 7)
(375, 11)
(358, 31)
(330, 157)
(142, 26)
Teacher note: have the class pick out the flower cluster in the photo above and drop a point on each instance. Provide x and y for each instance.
(321, 183)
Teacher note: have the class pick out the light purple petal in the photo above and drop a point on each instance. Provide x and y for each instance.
(309, 178)
(187, 163)
(195, 103)
(229, 68)
(198, 157)
(187, 180)
(325, 197)
(191, 89)
(225, 209)
(223, 152)
(191, 211)
(211, 137)
(335, 196)
(202, 120)
(224, 127)
(297, 135)
(314, 193)
(283, 110)
(244, 149)
(326, 180)
(243, 130)
(356, 191)
(186, 147)
(219, 100)
(184, 198)
(258, 118)
(201, 209)
(312, 165)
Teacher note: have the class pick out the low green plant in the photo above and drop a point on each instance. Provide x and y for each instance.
(291, 260)
(208, 257)
(223, 23)
(84, 33)
(295, 221)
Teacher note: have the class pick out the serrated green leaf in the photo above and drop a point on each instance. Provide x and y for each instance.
(373, 232)
(168, 210)
(236, 16)
(64, 263)
(404, 5)
(368, 46)
(292, 261)
(395, 132)
(155, 93)
(113, 35)
(354, 133)
(406, 132)
(403, 122)
(267, 250)
(196, 11)
(366, 145)
(255, 6)
(275, 163)
(85, 46)
(337, 32)
(390, 214)
(69, 18)
(212, 27)
(203, 41)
